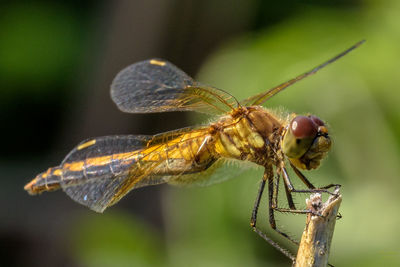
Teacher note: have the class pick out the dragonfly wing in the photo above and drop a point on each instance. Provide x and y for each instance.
(158, 86)
(101, 193)
(261, 98)
(106, 145)
(220, 171)
(95, 171)
(100, 171)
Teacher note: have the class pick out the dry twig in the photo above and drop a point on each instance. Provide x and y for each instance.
(317, 236)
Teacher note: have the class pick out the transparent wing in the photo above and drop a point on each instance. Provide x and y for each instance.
(261, 98)
(222, 170)
(157, 86)
(100, 171)
(96, 168)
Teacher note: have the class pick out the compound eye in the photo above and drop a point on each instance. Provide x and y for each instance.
(304, 127)
(317, 120)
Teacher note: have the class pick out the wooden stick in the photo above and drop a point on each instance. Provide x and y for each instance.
(316, 240)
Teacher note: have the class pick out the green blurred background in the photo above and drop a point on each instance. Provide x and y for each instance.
(57, 59)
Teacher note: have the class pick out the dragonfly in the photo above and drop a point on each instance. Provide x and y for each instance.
(98, 172)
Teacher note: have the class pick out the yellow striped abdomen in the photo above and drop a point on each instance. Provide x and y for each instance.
(186, 153)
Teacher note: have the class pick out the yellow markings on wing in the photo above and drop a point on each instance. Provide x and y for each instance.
(157, 62)
(87, 144)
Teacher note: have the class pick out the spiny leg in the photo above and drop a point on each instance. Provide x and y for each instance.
(311, 186)
(289, 197)
(292, 206)
(291, 188)
(302, 177)
(290, 202)
(253, 220)
(276, 190)
(272, 200)
(308, 183)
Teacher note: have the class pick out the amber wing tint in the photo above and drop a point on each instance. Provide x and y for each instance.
(95, 169)
(100, 171)
(261, 98)
(158, 86)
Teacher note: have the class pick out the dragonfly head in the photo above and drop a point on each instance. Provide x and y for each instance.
(306, 142)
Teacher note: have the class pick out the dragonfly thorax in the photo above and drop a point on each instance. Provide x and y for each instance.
(248, 134)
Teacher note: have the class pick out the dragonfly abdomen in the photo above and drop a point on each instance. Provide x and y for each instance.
(46, 181)
(188, 153)
(79, 172)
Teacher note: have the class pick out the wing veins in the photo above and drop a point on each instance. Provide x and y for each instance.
(132, 181)
(145, 87)
(264, 96)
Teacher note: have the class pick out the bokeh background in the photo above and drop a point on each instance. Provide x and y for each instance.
(57, 59)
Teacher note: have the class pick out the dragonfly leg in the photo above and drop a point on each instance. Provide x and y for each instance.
(284, 251)
(289, 197)
(308, 183)
(272, 200)
(330, 186)
(306, 211)
(311, 187)
(290, 189)
(253, 220)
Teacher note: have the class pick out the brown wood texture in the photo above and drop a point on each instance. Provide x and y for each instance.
(316, 240)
